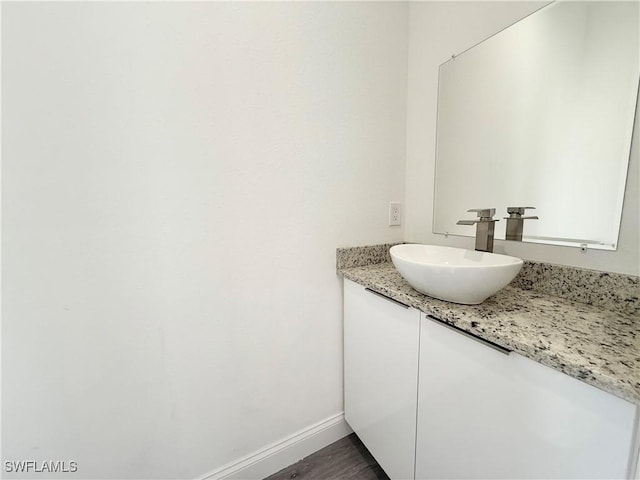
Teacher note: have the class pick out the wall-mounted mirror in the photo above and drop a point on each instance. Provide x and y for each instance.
(541, 114)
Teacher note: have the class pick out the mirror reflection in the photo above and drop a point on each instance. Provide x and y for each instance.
(541, 115)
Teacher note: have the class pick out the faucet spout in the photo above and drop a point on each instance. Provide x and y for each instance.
(485, 227)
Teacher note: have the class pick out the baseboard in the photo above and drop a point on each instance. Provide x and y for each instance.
(281, 454)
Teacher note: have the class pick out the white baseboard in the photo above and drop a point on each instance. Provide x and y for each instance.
(273, 458)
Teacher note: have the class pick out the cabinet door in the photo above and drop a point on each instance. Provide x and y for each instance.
(485, 414)
(381, 341)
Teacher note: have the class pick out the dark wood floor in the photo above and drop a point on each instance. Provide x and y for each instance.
(346, 459)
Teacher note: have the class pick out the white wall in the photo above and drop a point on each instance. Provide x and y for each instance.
(176, 178)
(438, 30)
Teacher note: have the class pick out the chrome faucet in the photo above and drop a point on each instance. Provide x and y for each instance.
(515, 222)
(485, 226)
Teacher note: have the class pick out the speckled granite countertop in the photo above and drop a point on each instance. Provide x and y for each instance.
(594, 344)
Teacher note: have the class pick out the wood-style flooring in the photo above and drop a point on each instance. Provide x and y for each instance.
(346, 459)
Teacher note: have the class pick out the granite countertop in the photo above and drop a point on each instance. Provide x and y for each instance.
(600, 346)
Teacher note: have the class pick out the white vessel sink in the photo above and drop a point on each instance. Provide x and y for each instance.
(454, 274)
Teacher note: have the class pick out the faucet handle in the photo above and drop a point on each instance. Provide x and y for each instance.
(517, 212)
(484, 213)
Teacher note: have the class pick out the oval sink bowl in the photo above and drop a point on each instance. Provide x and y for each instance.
(454, 274)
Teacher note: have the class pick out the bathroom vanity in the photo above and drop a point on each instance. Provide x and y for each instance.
(524, 385)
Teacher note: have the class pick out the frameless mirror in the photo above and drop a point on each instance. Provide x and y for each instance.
(541, 114)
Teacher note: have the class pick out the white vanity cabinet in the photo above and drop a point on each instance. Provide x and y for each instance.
(433, 402)
(487, 414)
(381, 376)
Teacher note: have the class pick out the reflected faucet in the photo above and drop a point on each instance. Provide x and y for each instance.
(485, 226)
(515, 222)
